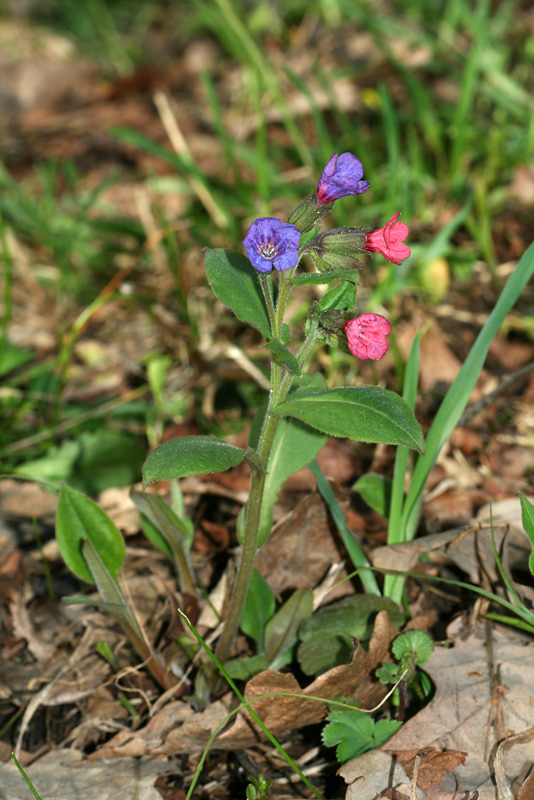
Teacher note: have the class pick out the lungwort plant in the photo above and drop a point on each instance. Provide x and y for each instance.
(299, 412)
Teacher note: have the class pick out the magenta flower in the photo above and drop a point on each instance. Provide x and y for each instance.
(272, 243)
(342, 176)
(367, 336)
(389, 240)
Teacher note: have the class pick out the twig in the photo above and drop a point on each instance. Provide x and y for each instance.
(488, 399)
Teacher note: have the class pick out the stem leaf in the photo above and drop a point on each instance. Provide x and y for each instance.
(361, 413)
(237, 285)
(190, 455)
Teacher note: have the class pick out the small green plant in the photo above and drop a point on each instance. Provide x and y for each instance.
(258, 788)
(411, 650)
(353, 733)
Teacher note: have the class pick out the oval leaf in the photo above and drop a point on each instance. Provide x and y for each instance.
(190, 455)
(237, 285)
(362, 413)
(281, 631)
(79, 518)
(376, 491)
(258, 609)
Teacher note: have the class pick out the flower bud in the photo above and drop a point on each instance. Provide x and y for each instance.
(337, 248)
(306, 214)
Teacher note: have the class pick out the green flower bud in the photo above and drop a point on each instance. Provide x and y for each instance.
(307, 213)
(337, 248)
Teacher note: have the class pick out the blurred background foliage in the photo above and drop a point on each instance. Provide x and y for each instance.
(193, 119)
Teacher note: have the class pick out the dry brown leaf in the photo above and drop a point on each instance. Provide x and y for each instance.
(301, 549)
(177, 729)
(439, 365)
(433, 766)
(461, 716)
(354, 680)
(24, 629)
(63, 775)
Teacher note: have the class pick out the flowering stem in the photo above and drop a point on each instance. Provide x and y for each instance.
(279, 388)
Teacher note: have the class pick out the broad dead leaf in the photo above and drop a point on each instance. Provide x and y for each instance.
(177, 729)
(301, 549)
(467, 717)
(63, 775)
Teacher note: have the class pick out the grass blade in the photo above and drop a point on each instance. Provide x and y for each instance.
(357, 556)
(457, 397)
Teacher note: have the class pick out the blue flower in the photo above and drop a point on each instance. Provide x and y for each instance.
(272, 243)
(341, 176)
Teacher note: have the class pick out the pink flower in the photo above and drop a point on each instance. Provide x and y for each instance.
(388, 240)
(367, 336)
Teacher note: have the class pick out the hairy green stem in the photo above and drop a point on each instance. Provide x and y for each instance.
(279, 388)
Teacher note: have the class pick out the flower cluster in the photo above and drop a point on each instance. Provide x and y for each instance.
(272, 243)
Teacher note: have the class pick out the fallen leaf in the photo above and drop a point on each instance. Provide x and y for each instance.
(460, 717)
(280, 714)
(63, 775)
(301, 549)
(433, 766)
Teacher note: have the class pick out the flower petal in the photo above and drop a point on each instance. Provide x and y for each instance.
(367, 336)
(341, 177)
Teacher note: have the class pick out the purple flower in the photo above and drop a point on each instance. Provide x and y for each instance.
(272, 243)
(342, 176)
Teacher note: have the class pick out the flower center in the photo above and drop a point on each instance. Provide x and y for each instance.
(267, 250)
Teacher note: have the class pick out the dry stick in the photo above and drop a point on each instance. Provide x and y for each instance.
(181, 148)
(41, 696)
(488, 399)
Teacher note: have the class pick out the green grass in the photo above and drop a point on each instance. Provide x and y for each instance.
(440, 137)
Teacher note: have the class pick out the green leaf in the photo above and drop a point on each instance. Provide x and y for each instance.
(177, 533)
(312, 278)
(362, 413)
(243, 669)
(355, 733)
(388, 673)
(527, 515)
(285, 333)
(284, 356)
(325, 638)
(281, 630)
(237, 285)
(78, 519)
(457, 398)
(376, 491)
(154, 535)
(92, 462)
(190, 455)
(416, 643)
(309, 235)
(12, 357)
(258, 609)
(342, 297)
